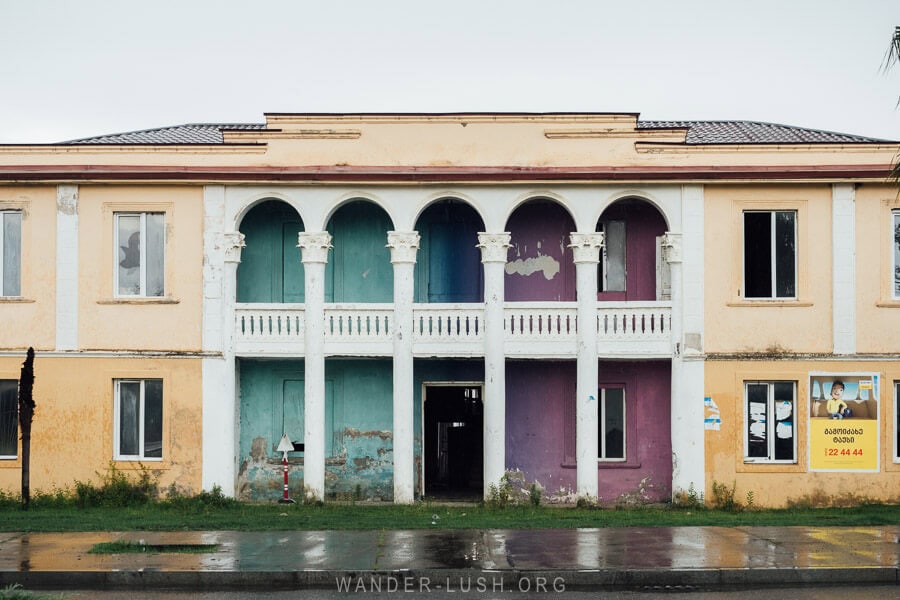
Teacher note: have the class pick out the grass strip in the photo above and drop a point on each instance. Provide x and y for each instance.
(274, 517)
(142, 548)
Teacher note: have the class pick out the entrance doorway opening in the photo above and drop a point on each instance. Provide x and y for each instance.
(452, 421)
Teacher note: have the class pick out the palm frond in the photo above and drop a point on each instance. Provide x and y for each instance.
(892, 56)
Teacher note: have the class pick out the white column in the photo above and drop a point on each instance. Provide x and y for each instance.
(403, 245)
(314, 247)
(67, 267)
(685, 429)
(586, 251)
(494, 248)
(843, 248)
(220, 411)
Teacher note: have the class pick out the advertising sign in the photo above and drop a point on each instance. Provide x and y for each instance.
(844, 410)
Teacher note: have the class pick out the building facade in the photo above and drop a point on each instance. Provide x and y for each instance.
(420, 303)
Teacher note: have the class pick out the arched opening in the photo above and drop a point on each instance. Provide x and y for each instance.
(540, 266)
(360, 267)
(270, 269)
(448, 266)
(631, 266)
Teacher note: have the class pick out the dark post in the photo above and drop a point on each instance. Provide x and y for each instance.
(26, 414)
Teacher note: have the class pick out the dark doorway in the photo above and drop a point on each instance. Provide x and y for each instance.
(453, 424)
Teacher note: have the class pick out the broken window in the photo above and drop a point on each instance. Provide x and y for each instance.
(770, 434)
(770, 254)
(9, 418)
(10, 253)
(140, 263)
(895, 242)
(611, 270)
(612, 425)
(139, 412)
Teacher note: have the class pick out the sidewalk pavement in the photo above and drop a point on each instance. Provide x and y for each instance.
(398, 560)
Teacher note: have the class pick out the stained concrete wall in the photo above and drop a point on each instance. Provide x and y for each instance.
(73, 429)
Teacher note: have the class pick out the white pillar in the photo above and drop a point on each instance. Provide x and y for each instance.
(684, 428)
(220, 412)
(67, 267)
(843, 248)
(403, 245)
(586, 250)
(314, 247)
(494, 248)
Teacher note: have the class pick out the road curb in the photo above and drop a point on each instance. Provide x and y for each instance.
(461, 580)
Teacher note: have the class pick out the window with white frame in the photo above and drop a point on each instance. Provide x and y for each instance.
(611, 440)
(895, 243)
(770, 433)
(9, 418)
(10, 253)
(897, 421)
(140, 254)
(770, 254)
(138, 419)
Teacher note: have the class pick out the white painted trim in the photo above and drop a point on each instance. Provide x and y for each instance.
(67, 267)
(843, 252)
(219, 405)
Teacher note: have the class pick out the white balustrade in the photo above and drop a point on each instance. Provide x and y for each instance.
(530, 329)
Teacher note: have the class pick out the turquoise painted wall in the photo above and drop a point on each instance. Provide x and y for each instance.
(448, 264)
(359, 422)
(270, 269)
(359, 268)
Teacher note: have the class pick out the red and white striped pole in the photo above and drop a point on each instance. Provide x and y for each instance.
(285, 446)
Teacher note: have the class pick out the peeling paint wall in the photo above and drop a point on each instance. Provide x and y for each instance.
(540, 425)
(359, 440)
(643, 223)
(539, 265)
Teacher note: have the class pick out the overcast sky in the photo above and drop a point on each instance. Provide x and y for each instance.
(71, 68)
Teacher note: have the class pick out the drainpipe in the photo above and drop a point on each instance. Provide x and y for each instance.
(586, 252)
(403, 245)
(494, 248)
(314, 247)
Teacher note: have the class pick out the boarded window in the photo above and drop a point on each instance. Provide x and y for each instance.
(140, 243)
(9, 418)
(770, 434)
(139, 419)
(612, 263)
(612, 424)
(770, 254)
(11, 253)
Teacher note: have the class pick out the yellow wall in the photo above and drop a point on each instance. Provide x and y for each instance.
(877, 312)
(776, 484)
(72, 436)
(734, 324)
(170, 323)
(30, 320)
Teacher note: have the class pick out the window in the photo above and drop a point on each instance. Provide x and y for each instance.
(770, 435)
(10, 253)
(896, 421)
(139, 412)
(612, 424)
(611, 270)
(895, 237)
(140, 259)
(9, 418)
(770, 254)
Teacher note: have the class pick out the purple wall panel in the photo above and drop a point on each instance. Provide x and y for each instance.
(539, 397)
(540, 426)
(540, 263)
(643, 223)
